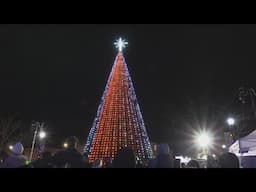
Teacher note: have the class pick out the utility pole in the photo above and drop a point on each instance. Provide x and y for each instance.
(36, 125)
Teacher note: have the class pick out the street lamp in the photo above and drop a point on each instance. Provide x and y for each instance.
(10, 147)
(65, 145)
(231, 121)
(42, 134)
(204, 140)
(223, 146)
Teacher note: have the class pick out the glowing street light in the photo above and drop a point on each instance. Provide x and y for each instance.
(213, 155)
(10, 147)
(65, 145)
(223, 146)
(42, 134)
(204, 140)
(231, 121)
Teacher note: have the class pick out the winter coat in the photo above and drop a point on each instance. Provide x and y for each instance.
(69, 158)
(14, 161)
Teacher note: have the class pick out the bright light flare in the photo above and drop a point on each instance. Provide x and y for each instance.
(10, 147)
(65, 145)
(231, 121)
(42, 134)
(204, 140)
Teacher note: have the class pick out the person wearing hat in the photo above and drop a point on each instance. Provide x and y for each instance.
(16, 158)
(163, 158)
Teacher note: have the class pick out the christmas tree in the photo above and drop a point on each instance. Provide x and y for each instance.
(119, 121)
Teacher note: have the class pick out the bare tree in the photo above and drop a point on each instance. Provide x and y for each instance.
(9, 127)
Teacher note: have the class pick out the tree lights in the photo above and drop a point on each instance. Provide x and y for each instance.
(118, 122)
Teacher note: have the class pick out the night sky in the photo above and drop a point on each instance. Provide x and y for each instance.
(181, 73)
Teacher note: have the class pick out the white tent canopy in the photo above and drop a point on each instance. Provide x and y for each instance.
(245, 146)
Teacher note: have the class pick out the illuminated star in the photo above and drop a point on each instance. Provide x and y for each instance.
(120, 44)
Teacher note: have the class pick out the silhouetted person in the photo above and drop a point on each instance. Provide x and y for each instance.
(70, 158)
(193, 164)
(164, 159)
(211, 162)
(16, 159)
(86, 158)
(125, 158)
(228, 160)
(107, 162)
(44, 162)
(176, 163)
(98, 163)
(3, 156)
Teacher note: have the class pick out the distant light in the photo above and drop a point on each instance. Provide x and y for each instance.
(27, 162)
(213, 155)
(42, 134)
(223, 146)
(204, 157)
(10, 147)
(204, 140)
(231, 121)
(65, 145)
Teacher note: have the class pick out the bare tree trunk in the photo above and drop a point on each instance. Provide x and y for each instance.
(8, 127)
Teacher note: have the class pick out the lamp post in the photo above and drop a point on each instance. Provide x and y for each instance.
(42, 134)
(231, 123)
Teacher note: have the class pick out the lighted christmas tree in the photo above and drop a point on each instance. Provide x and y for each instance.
(119, 121)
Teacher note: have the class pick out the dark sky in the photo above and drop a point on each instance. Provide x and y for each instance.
(57, 73)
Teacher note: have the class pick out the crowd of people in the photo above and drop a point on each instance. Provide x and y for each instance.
(125, 158)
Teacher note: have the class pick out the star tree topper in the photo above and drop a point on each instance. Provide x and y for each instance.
(120, 44)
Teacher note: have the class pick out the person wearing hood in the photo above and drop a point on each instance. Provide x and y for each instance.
(163, 158)
(16, 159)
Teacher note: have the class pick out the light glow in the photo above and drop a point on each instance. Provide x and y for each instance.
(120, 44)
(65, 145)
(204, 140)
(42, 134)
(231, 121)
